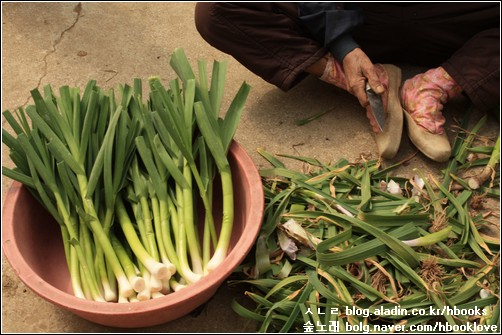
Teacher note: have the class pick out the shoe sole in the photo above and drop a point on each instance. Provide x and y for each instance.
(389, 140)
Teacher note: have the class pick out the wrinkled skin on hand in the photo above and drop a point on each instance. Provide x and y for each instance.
(358, 69)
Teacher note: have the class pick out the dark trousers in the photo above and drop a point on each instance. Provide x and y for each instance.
(270, 40)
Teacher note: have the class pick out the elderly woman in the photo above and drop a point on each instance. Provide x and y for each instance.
(345, 44)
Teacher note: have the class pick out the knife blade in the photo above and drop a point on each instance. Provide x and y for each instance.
(376, 105)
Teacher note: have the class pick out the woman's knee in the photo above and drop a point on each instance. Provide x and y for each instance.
(202, 17)
(206, 22)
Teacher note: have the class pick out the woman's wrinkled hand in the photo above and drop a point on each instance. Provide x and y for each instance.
(358, 70)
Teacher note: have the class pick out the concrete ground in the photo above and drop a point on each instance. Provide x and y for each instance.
(69, 44)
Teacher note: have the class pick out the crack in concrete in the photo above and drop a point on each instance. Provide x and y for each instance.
(78, 10)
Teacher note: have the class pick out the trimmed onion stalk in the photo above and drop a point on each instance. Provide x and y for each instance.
(160, 204)
(176, 285)
(215, 146)
(189, 222)
(155, 173)
(75, 275)
(125, 288)
(146, 293)
(158, 235)
(149, 238)
(184, 269)
(157, 269)
(226, 222)
(157, 294)
(137, 282)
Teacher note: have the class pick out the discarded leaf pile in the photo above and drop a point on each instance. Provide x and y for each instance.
(345, 245)
(122, 176)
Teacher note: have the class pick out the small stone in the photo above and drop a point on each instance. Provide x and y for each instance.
(82, 53)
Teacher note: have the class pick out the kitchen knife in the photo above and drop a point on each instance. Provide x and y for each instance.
(376, 105)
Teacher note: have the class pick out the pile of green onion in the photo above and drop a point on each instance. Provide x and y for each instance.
(346, 245)
(123, 177)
